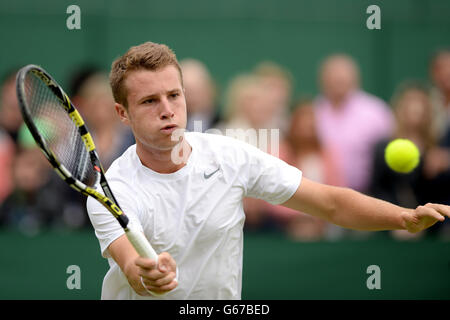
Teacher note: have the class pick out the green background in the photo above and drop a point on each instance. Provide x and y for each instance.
(232, 36)
(274, 267)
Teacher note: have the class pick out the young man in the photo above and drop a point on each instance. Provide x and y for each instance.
(185, 192)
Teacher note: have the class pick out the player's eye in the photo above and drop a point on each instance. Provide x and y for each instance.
(149, 101)
(174, 95)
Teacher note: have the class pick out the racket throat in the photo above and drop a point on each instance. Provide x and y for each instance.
(123, 221)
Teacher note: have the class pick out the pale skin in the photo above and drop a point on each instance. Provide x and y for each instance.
(156, 99)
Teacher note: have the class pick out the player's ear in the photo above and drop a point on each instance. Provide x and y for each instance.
(122, 112)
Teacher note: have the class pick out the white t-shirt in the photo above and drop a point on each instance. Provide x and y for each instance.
(196, 213)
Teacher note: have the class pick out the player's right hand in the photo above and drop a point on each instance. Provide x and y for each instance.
(159, 278)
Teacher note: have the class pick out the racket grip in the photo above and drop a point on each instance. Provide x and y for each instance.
(141, 244)
(144, 249)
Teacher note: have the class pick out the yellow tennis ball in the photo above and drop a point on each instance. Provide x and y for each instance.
(402, 155)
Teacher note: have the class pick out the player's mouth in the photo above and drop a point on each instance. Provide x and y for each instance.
(169, 128)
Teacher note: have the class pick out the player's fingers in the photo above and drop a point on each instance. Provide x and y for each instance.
(145, 263)
(165, 280)
(166, 263)
(162, 282)
(428, 211)
(170, 286)
(151, 275)
(433, 210)
(441, 208)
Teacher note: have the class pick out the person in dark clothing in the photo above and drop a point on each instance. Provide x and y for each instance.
(424, 184)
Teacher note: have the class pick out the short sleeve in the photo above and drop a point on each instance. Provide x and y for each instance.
(269, 178)
(107, 228)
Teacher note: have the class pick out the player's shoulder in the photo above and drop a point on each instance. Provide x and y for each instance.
(123, 169)
(217, 143)
(121, 177)
(231, 152)
(208, 138)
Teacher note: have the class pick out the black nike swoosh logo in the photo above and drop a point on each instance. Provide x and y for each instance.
(207, 176)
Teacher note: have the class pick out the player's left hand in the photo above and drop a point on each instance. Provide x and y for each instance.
(425, 216)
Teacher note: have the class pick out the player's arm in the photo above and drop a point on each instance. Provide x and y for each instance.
(351, 209)
(157, 278)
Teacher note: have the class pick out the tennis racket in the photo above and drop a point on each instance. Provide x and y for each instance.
(61, 134)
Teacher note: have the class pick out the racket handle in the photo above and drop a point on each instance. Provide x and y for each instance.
(143, 248)
(141, 244)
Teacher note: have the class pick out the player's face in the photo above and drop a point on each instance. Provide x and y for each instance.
(156, 107)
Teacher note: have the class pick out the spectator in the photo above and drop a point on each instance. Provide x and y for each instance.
(93, 97)
(10, 116)
(248, 104)
(10, 121)
(200, 92)
(40, 199)
(278, 83)
(350, 120)
(440, 93)
(248, 108)
(303, 150)
(414, 121)
(7, 151)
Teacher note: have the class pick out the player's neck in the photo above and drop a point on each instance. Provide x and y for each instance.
(163, 161)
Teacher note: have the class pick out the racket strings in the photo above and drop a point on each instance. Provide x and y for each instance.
(58, 131)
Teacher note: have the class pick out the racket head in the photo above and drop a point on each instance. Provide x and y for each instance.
(57, 127)
(60, 132)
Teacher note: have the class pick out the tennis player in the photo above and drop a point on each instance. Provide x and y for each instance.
(184, 191)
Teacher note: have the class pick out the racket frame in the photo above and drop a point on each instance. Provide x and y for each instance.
(108, 200)
(136, 237)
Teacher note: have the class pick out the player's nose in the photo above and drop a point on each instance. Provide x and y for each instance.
(166, 110)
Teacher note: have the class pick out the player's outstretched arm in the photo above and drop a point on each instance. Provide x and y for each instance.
(351, 209)
(158, 278)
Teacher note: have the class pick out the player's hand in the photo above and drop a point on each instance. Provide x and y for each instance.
(159, 278)
(425, 216)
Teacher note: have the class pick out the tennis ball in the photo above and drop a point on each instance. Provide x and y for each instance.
(401, 155)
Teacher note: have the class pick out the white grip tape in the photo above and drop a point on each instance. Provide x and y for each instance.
(141, 244)
(144, 249)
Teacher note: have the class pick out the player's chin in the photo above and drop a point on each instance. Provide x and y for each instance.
(164, 145)
(171, 140)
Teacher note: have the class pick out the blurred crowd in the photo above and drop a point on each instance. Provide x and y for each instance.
(337, 138)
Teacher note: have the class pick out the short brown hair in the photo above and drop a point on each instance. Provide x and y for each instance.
(149, 56)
